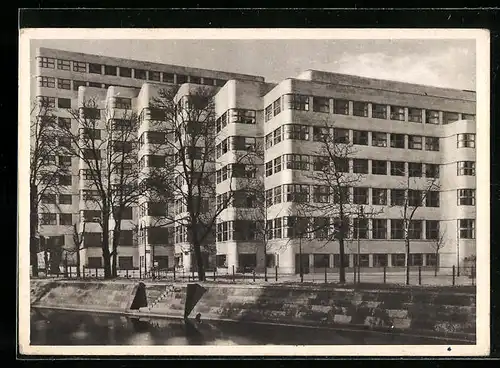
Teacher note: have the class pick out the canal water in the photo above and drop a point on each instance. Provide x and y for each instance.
(57, 328)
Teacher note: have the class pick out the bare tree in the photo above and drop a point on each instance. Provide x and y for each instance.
(44, 174)
(78, 246)
(106, 142)
(438, 244)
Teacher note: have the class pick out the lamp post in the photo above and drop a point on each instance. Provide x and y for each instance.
(360, 216)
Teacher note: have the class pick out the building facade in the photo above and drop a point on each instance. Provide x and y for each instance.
(268, 143)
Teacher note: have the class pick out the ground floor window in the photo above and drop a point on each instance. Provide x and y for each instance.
(247, 261)
(178, 261)
(379, 260)
(398, 260)
(432, 259)
(94, 262)
(416, 259)
(125, 263)
(270, 260)
(321, 260)
(336, 260)
(364, 260)
(162, 262)
(220, 260)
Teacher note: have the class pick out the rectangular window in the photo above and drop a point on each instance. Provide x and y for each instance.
(110, 70)
(360, 109)
(415, 115)
(125, 72)
(379, 139)
(277, 164)
(77, 84)
(242, 116)
(466, 168)
(63, 83)
(168, 77)
(123, 103)
(269, 168)
(48, 219)
(397, 197)
(336, 260)
(360, 166)
(65, 219)
(65, 199)
(90, 133)
(154, 161)
(379, 229)
(48, 82)
(414, 198)
(297, 193)
(277, 106)
(397, 229)
(432, 171)
(321, 194)
(321, 104)
(64, 161)
(269, 141)
(360, 228)
(126, 237)
(79, 66)
(45, 62)
(95, 84)
(432, 259)
(341, 164)
(64, 180)
(364, 260)
(398, 260)
(360, 195)
(466, 140)
(269, 112)
(90, 154)
(431, 143)
(220, 260)
(415, 229)
(360, 137)
(379, 111)
(63, 64)
(379, 167)
(155, 137)
(95, 68)
(432, 229)
(181, 79)
(321, 134)
(154, 76)
(341, 135)
(397, 113)
(321, 260)
(450, 117)
(277, 194)
(415, 142)
(47, 101)
(140, 74)
(397, 168)
(48, 198)
(125, 263)
(379, 196)
(466, 197)
(277, 135)
(467, 229)
(64, 103)
(320, 163)
(341, 107)
(397, 140)
(195, 80)
(298, 132)
(416, 259)
(431, 117)
(471, 117)
(415, 169)
(341, 195)
(296, 102)
(297, 162)
(208, 81)
(380, 260)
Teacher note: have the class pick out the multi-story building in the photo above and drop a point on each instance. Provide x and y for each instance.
(400, 133)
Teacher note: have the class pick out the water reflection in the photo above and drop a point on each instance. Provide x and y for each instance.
(50, 327)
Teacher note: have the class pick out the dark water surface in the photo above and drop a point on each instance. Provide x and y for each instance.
(55, 327)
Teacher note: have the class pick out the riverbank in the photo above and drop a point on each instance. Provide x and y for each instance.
(439, 312)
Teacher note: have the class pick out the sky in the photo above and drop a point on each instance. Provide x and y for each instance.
(439, 62)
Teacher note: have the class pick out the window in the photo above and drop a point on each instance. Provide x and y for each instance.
(46, 62)
(360, 228)
(277, 164)
(63, 64)
(321, 104)
(269, 112)
(415, 169)
(65, 219)
(48, 198)
(155, 137)
(415, 115)
(467, 229)
(379, 139)
(360, 109)
(297, 193)
(49, 160)
(397, 140)
(295, 131)
(341, 164)
(224, 231)
(296, 102)
(240, 143)
(397, 197)
(341, 195)
(123, 103)
(125, 263)
(432, 259)
(360, 137)
(432, 199)
(270, 260)
(79, 66)
(379, 196)
(416, 259)
(469, 117)
(321, 260)
(195, 80)
(414, 197)
(64, 123)
(364, 260)
(125, 72)
(77, 84)
(63, 83)
(295, 227)
(277, 135)
(64, 161)
(47, 101)
(168, 77)
(431, 143)
(466, 140)
(431, 117)
(415, 229)
(269, 168)
(432, 229)
(277, 194)
(450, 117)
(122, 147)
(48, 219)
(397, 229)
(90, 154)
(360, 166)
(220, 260)
(320, 227)
(208, 81)
(466, 168)
(379, 228)
(95, 68)
(379, 111)
(277, 106)
(65, 199)
(64, 103)
(397, 113)
(398, 260)
(95, 84)
(90, 133)
(220, 82)
(110, 70)
(341, 107)
(49, 82)
(64, 179)
(321, 194)
(336, 260)
(154, 76)
(466, 197)
(415, 142)
(379, 167)
(360, 195)
(297, 162)
(126, 237)
(397, 168)
(380, 260)
(139, 74)
(320, 163)
(242, 116)
(181, 79)
(93, 240)
(432, 171)
(321, 134)
(341, 135)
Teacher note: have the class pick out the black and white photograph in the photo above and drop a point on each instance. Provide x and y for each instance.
(254, 192)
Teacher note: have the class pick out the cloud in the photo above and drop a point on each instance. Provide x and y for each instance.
(452, 67)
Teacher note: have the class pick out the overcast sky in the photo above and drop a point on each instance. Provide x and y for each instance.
(442, 63)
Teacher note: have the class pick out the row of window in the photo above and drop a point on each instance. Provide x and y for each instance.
(361, 108)
(124, 262)
(51, 219)
(156, 76)
(50, 102)
(235, 171)
(236, 143)
(235, 116)
(94, 239)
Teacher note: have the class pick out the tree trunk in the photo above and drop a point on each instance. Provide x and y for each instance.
(407, 242)
(105, 249)
(436, 266)
(342, 266)
(116, 241)
(199, 262)
(78, 262)
(265, 261)
(34, 246)
(46, 261)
